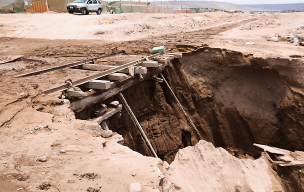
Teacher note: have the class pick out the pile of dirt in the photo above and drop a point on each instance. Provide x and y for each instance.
(206, 168)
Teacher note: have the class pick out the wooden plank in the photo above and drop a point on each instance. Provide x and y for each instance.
(74, 93)
(117, 76)
(176, 55)
(97, 67)
(292, 164)
(141, 70)
(109, 113)
(272, 149)
(98, 84)
(150, 64)
(165, 60)
(9, 58)
(95, 98)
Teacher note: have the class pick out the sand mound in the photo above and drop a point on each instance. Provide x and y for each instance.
(206, 168)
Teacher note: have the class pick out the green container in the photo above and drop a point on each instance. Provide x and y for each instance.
(158, 49)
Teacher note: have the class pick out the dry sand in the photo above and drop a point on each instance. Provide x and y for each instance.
(74, 157)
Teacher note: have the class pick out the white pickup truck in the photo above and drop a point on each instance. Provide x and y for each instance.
(85, 7)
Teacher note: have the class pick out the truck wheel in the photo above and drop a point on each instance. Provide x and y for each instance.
(70, 12)
(84, 11)
(98, 12)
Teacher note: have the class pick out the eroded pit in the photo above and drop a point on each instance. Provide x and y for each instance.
(233, 99)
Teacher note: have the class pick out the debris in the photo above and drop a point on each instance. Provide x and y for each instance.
(100, 111)
(135, 187)
(295, 39)
(50, 53)
(9, 58)
(301, 43)
(40, 127)
(133, 173)
(23, 95)
(281, 157)
(20, 189)
(76, 92)
(41, 159)
(91, 189)
(114, 104)
(44, 186)
(249, 43)
(274, 39)
(87, 175)
(106, 134)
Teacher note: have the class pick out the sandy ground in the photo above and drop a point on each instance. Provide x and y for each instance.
(77, 161)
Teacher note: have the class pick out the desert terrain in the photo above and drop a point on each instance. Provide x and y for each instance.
(238, 88)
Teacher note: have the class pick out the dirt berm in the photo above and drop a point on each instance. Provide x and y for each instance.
(234, 100)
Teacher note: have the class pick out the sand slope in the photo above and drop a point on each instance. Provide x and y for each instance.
(206, 168)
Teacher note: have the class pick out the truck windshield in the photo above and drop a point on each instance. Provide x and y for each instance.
(80, 1)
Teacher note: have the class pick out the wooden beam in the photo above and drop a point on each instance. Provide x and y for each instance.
(109, 113)
(272, 149)
(117, 76)
(150, 64)
(95, 98)
(141, 70)
(98, 84)
(176, 55)
(74, 93)
(97, 67)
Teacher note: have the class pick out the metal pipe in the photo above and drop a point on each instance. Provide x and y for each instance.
(135, 121)
(181, 108)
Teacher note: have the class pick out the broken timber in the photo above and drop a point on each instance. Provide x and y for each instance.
(109, 113)
(181, 108)
(135, 121)
(284, 157)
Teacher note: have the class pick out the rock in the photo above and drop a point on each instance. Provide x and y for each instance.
(24, 95)
(274, 39)
(166, 166)
(50, 53)
(96, 133)
(106, 134)
(114, 104)
(133, 173)
(42, 159)
(135, 187)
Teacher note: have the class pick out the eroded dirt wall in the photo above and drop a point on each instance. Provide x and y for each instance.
(234, 100)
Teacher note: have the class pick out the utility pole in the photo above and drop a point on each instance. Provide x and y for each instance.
(47, 5)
